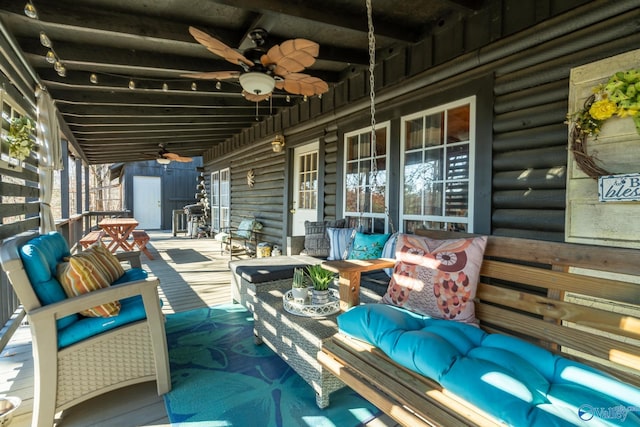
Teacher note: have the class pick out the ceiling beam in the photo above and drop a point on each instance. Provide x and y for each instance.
(318, 12)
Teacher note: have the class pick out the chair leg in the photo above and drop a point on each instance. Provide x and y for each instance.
(45, 385)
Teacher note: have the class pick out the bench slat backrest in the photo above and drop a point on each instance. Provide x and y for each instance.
(583, 301)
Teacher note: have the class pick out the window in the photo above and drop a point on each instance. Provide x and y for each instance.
(308, 179)
(220, 199)
(366, 178)
(437, 160)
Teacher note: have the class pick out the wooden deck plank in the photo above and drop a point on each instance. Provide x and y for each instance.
(193, 273)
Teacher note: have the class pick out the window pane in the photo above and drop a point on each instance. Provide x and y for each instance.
(352, 148)
(432, 167)
(413, 130)
(433, 199)
(381, 142)
(457, 198)
(458, 162)
(458, 124)
(434, 133)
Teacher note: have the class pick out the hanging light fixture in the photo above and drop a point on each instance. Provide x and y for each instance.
(277, 145)
(257, 83)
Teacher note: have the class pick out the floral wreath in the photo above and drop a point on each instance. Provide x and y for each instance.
(20, 138)
(620, 96)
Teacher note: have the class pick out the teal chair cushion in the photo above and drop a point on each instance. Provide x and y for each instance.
(40, 257)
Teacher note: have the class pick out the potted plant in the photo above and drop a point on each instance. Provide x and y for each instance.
(321, 279)
(299, 287)
(20, 138)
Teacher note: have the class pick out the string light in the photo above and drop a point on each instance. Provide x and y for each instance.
(288, 98)
(30, 10)
(93, 78)
(194, 86)
(45, 40)
(50, 57)
(165, 87)
(132, 84)
(218, 85)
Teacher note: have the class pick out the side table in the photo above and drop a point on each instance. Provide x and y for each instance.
(297, 340)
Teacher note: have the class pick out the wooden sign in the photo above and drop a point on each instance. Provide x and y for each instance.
(619, 188)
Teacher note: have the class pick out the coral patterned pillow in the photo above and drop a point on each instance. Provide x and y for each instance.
(438, 278)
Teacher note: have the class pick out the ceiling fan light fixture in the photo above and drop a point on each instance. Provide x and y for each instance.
(257, 83)
(163, 161)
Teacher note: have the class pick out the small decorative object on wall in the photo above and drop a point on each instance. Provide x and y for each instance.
(21, 138)
(251, 178)
(620, 97)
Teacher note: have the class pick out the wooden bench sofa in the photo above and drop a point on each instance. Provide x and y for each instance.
(530, 289)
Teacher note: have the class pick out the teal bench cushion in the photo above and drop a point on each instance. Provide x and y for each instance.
(519, 383)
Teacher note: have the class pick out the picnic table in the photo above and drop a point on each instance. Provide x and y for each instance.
(119, 229)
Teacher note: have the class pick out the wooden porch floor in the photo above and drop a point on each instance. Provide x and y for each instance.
(193, 273)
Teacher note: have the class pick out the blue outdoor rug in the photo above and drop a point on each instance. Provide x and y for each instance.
(221, 378)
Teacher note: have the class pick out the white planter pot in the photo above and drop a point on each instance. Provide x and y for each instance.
(300, 294)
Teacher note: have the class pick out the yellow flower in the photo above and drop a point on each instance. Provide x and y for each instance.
(602, 110)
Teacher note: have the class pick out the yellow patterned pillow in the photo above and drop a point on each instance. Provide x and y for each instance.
(106, 262)
(81, 275)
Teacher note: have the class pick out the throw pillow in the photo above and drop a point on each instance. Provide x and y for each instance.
(79, 276)
(316, 240)
(246, 227)
(389, 251)
(438, 278)
(340, 242)
(106, 262)
(368, 246)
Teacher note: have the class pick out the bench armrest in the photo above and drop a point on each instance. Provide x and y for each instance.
(349, 272)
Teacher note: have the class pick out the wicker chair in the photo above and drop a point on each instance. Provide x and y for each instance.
(127, 354)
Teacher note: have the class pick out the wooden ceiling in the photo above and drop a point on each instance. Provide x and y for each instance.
(148, 42)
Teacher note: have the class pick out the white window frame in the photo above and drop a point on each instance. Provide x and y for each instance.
(472, 159)
(374, 215)
(215, 200)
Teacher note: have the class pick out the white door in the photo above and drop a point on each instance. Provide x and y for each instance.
(305, 187)
(147, 206)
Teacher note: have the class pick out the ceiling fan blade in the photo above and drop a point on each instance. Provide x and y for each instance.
(183, 159)
(216, 46)
(304, 84)
(213, 75)
(253, 97)
(291, 56)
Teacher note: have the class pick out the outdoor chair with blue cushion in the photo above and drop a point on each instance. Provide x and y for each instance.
(244, 238)
(117, 341)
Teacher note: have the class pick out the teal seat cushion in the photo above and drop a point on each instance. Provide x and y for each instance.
(131, 276)
(517, 382)
(40, 257)
(131, 310)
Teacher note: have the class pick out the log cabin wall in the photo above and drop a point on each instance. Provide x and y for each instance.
(527, 48)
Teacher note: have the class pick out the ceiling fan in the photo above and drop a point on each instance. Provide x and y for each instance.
(263, 70)
(165, 156)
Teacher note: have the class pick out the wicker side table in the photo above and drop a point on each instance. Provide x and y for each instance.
(297, 340)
